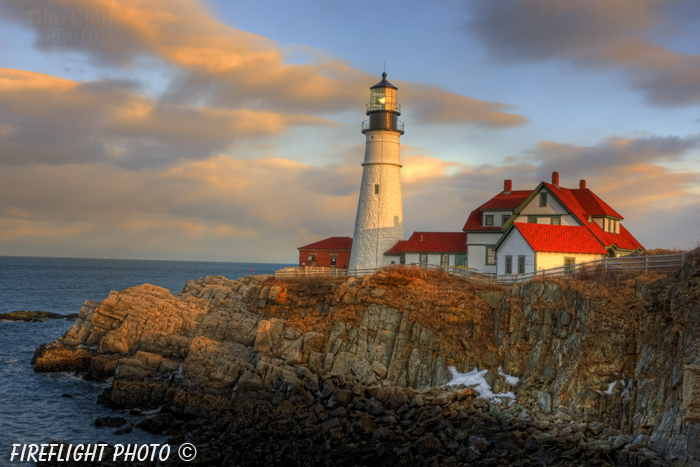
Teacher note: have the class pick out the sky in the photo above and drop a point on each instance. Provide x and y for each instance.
(229, 130)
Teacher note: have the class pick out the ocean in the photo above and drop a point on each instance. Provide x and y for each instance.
(43, 408)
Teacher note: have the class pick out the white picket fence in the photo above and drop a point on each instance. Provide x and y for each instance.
(637, 263)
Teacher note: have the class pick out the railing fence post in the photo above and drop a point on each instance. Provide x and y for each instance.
(646, 264)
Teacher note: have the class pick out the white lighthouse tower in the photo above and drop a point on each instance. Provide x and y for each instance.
(379, 222)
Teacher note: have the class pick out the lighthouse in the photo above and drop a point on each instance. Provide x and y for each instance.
(379, 221)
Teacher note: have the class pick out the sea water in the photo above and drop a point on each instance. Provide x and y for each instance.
(59, 407)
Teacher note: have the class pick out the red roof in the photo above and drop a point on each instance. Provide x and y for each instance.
(505, 200)
(502, 200)
(396, 249)
(595, 206)
(560, 238)
(431, 242)
(332, 243)
(584, 203)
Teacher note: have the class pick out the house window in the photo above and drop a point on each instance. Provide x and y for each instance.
(509, 264)
(490, 255)
(556, 220)
(521, 264)
(504, 218)
(333, 260)
(460, 260)
(376, 189)
(402, 260)
(569, 264)
(488, 219)
(423, 258)
(445, 260)
(543, 200)
(532, 219)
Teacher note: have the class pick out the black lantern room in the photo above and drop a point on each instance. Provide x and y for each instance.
(383, 110)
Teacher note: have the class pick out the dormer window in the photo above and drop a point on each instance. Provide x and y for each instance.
(488, 220)
(611, 225)
(543, 199)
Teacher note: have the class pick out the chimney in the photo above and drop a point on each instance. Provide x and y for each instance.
(582, 185)
(555, 179)
(421, 237)
(507, 186)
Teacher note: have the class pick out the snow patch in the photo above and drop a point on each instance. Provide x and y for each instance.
(512, 380)
(611, 387)
(475, 379)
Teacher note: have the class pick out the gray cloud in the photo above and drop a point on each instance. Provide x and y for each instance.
(593, 33)
(614, 153)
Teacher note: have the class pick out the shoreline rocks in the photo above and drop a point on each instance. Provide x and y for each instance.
(35, 316)
(350, 371)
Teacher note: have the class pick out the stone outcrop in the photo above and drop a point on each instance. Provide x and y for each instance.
(35, 316)
(344, 363)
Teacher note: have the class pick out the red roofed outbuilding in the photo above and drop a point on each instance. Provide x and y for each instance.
(330, 252)
(443, 248)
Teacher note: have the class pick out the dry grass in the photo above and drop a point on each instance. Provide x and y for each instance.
(661, 251)
(694, 255)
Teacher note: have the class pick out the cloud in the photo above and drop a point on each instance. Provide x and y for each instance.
(49, 120)
(218, 66)
(219, 208)
(431, 104)
(614, 152)
(613, 34)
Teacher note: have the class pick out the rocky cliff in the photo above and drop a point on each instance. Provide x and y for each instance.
(349, 371)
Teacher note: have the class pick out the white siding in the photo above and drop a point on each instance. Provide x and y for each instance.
(412, 258)
(476, 258)
(497, 217)
(515, 245)
(433, 258)
(389, 258)
(553, 207)
(485, 238)
(565, 219)
(555, 260)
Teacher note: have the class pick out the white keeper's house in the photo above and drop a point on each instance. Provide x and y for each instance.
(520, 231)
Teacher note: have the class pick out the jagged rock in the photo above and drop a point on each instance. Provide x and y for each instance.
(157, 424)
(336, 368)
